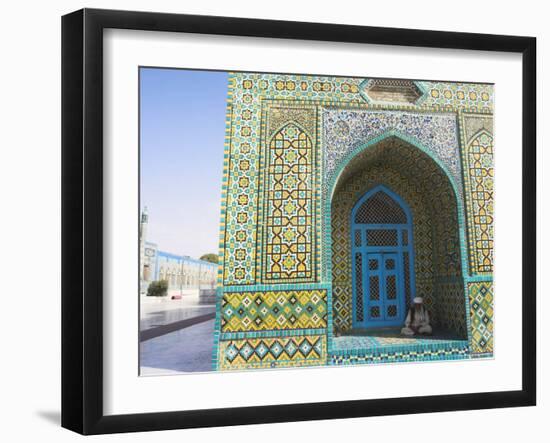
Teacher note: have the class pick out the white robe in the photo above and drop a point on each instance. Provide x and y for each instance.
(421, 322)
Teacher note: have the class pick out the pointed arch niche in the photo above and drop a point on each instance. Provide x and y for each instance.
(423, 186)
(287, 226)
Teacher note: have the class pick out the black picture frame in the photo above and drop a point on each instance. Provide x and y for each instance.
(82, 216)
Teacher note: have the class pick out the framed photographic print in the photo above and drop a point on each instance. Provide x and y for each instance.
(277, 221)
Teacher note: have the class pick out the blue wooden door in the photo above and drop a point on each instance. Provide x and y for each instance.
(382, 259)
(385, 288)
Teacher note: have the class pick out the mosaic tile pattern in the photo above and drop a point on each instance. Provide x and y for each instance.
(238, 232)
(345, 130)
(343, 203)
(374, 342)
(473, 124)
(466, 96)
(426, 189)
(479, 180)
(288, 250)
(433, 352)
(481, 313)
(273, 310)
(451, 306)
(277, 115)
(276, 225)
(273, 352)
(247, 92)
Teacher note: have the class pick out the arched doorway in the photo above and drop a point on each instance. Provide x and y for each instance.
(382, 259)
(422, 189)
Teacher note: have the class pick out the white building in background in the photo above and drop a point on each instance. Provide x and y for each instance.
(180, 271)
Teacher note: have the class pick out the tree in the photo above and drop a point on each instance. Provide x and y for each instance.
(158, 288)
(212, 258)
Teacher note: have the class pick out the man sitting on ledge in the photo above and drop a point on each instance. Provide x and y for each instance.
(418, 319)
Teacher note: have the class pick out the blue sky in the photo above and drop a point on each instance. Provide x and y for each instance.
(182, 137)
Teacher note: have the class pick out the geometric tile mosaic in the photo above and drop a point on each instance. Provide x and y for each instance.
(426, 190)
(274, 310)
(383, 355)
(451, 305)
(246, 93)
(481, 316)
(273, 352)
(473, 124)
(380, 340)
(345, 129)
(343, 201)
(285, 136)
(469, 97)
(479, 185)
(288, 215)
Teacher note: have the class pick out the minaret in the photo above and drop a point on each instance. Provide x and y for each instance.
(142, 240)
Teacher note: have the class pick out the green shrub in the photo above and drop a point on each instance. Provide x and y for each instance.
(158, 288)
(212, 258)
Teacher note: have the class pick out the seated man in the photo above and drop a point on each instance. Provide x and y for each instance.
(418, 319)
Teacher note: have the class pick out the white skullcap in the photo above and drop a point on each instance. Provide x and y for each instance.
(418, 300)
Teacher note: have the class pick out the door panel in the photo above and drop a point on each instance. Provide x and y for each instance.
(359, 295)
(392, 295)
(382, 288)
(375, 304)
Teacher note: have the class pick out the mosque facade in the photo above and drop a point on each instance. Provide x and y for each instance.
(344, 199)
